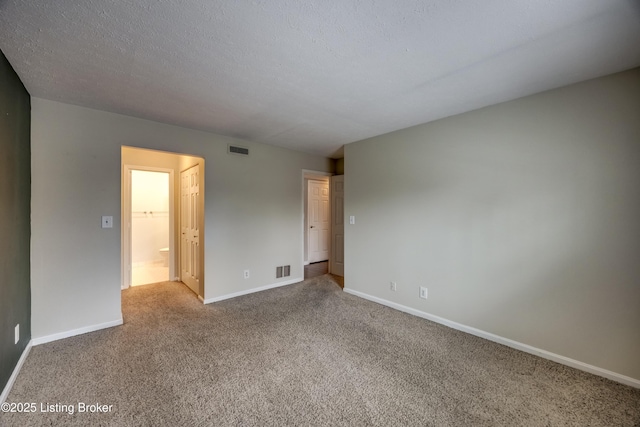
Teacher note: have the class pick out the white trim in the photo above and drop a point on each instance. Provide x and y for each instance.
(16, 371)
(319, 175)
(306, 263)
(504, 341)
(74, 332)
(251, 291)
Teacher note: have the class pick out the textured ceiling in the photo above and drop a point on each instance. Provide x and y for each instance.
(310, 75)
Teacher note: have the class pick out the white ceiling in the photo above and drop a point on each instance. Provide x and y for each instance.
(310, 75)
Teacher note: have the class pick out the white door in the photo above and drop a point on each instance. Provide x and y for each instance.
(189, 228)
(337, 225)
(319, 221)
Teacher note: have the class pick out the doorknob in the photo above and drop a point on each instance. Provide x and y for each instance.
(311, 226)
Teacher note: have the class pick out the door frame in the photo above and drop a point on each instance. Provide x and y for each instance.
(319, 176)
(126, 223)
(335, 227)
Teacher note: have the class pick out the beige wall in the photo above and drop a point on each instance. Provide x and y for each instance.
(522, 219)
(253, 211)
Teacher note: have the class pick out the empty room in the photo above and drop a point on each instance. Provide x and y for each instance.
(420, 213)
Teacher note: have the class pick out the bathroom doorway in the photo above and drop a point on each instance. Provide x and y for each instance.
(150, 222)
(148, 201)
(158, 259)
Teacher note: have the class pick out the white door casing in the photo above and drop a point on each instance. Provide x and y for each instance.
(190, 228)
(337, 225)
(319, 221)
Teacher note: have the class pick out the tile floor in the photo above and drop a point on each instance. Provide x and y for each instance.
(152, 272)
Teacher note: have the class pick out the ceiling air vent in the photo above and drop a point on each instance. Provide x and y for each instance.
(242, 151)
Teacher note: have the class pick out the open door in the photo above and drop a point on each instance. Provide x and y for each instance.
(190, 228)
(337, 225)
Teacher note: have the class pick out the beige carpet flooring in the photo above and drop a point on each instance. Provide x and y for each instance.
(305, 355)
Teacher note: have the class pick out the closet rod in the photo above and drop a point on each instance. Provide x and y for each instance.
(149, 212)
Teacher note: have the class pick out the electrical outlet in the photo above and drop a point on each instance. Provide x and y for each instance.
(423, 292)
(393, 286)
(17, 333)
(246, 274)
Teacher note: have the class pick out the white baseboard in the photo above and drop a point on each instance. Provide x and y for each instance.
(14, 374)
(74, 332)
(251, 291)
(504, 341)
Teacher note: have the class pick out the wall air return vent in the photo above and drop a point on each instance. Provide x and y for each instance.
(283, 271)
(241, 151)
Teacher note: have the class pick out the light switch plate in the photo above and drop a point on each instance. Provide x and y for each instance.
(107, 222)
(352, 219)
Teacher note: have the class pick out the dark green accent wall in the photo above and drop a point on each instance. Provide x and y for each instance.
(15, 215)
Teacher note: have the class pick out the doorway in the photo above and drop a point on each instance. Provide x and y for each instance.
(144, 218)
(150, 226)
(168, 258)
(323, 209)
(319, 219)
(316, 225)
